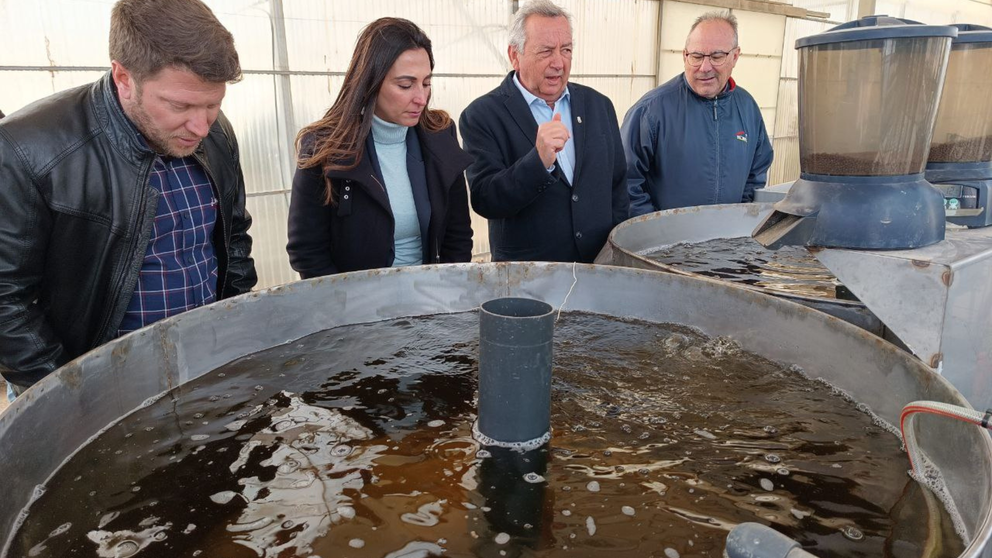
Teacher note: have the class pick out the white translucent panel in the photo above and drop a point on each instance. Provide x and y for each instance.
(676, 19)
(785, 166)
(54, 33)
(268, 233)
(467, 36)
(768, 116)
(614, 37)
(670, 65)
(787, 109)
(250, 21)
(624, 92)
(21, 88)
(938, 12)
(759, 76)
(267, 158)
(759, 33)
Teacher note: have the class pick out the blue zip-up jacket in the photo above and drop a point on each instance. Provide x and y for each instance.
(684, 150)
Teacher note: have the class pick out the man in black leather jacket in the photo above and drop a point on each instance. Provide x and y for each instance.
(121, 197)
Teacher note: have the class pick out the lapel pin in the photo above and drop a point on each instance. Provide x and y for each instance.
(579, 119)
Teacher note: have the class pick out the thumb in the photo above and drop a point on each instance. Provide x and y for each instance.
(556, 117)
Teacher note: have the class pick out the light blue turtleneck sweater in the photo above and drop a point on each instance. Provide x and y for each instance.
(390, 148)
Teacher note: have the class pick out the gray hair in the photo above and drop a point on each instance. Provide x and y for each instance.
(546, 8)
(726, 17)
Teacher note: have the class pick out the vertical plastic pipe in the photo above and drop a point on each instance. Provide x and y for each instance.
(515, 350)
(517, 499)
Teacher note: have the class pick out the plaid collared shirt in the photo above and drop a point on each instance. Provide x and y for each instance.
(179, 272)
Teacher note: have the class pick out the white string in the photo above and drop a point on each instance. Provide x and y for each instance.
(574, 281)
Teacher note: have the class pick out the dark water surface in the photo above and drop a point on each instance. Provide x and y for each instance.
(357, 442)
(790, 270)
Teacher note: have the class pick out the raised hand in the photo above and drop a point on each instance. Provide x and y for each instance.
(551, 138)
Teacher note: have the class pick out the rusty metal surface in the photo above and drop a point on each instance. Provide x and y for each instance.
(937, 299)
(50, 421)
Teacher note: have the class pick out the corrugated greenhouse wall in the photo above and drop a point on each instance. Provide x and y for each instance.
(56, 44)
(623, 48)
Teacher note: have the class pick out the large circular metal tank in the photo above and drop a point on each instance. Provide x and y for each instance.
(47, 424)
(631, 240)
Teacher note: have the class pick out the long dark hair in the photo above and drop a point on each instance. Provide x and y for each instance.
(337, 141)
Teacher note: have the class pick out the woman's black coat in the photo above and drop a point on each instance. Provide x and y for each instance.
(356, 232)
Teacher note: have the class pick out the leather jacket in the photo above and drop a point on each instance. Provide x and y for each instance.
(77, 212)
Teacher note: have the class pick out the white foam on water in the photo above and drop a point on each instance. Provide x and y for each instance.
(502, 538)
(519, 446)
(122, 544)
(534, 478)
(930, 477)
(875, 419)
(591, 525)
(107, 518)
(428, 515)
(236, 425)
(259, 523)
(153, 399)
(417, 549)
(222, 497)
(800, 514)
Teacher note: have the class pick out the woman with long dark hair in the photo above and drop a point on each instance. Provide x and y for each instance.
(380, 180)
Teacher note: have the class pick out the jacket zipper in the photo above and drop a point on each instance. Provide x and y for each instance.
(717, 143)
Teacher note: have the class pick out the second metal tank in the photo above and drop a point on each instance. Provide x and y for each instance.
(631, 241)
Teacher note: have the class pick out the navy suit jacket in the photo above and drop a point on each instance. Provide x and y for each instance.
(535, 215)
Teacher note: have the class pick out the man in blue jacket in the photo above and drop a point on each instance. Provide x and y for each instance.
(699, 138)
(549, 170)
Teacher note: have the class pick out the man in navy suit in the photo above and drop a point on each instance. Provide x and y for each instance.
(549, 170)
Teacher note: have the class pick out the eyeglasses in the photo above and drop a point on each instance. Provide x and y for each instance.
(717, 59)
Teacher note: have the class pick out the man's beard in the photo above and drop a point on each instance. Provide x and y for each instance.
(158, 141)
